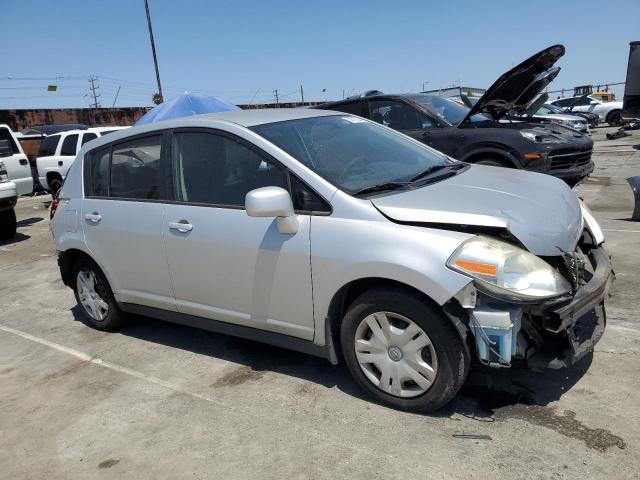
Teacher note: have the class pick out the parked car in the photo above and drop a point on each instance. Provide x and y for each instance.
(15, 180)
(610, 112)
(8, 200)
(58, 151)
(483, 134)
(592, 119)
(548, 112)
(15, 161)
(421, 264)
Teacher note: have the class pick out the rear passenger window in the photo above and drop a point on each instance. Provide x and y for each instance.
(48, 146)
(135, 169)
(69, 145)
(217, 170)
(96, 173)
(87, 137)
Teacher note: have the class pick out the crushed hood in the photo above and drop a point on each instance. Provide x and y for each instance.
(515, 89)
(539, 210)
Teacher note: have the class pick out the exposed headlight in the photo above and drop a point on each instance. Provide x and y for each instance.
(540, 136)
(4, 176)
(592, 224)
(504, 270)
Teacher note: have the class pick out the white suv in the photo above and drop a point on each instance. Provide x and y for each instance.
(57, 153)
(15, 179)
(333, 235)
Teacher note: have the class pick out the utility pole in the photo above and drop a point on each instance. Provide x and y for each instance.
(275, 92)
(153, 50)
(301, 93)
(115, 99)
(94, 91)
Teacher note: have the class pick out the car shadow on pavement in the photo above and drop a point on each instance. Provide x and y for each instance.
(27, 222)
(17, 238)
(484, 392)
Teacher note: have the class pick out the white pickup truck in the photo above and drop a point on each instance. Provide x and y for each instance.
(58, 151)
(15, 180)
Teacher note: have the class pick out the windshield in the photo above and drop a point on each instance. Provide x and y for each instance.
(351, 153)
(446, 109)
(549, 108)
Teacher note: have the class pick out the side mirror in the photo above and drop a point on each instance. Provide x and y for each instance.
(593, 102)
(272, 202)
(5, 148)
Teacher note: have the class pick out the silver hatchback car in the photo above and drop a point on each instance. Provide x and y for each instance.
(329, 234)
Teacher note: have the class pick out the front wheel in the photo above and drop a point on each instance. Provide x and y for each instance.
(95, 298)
(8, 224)
(402, 350)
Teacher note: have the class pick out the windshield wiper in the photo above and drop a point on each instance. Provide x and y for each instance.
(435, 168)
(381, 188)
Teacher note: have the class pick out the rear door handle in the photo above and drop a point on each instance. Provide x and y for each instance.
(182, 226)
(23, 161)
(93, 217)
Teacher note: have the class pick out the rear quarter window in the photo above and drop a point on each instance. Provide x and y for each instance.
(96, 173)
(5, 134)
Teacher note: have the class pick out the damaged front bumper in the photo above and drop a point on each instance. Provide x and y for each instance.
(551, 334)
(580, 320)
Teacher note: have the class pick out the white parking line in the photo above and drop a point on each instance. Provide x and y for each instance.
(239, 410)
(627, 231)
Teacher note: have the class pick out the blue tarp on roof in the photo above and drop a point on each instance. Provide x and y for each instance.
(184, 106)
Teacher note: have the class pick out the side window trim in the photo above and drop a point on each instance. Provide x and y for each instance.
(215, 131)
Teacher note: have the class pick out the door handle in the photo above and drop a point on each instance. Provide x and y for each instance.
(182, 226)
(23, 161)
(60, 163)
(94, 217)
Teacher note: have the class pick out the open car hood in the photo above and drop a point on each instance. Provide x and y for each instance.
(539, 210)
(518, 87)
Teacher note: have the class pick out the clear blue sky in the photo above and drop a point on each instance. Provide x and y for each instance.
(233, 48)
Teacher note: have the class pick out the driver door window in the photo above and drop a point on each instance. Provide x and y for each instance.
(217, 170)
(398, 115)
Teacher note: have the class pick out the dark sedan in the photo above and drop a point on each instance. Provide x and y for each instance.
(484, 134)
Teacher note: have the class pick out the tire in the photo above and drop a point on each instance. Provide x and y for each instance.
(614, 118)
(492, 162)
(100, 310)
(8, 224)
(446, 354)
(55, 184)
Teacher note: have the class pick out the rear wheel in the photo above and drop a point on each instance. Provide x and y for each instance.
(614, 119)
(402, 350)
(95, 297)
(55, 184)
(7, 224)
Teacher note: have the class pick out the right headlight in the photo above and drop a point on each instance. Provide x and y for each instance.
(540, 136)
(507, 271)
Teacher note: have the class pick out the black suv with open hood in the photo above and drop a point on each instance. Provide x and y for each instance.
(487, 133)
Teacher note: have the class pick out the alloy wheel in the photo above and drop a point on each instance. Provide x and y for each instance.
(395, 354)
(90, 299)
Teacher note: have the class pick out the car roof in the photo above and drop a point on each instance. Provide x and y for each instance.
(244, 118)
(252, 117)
